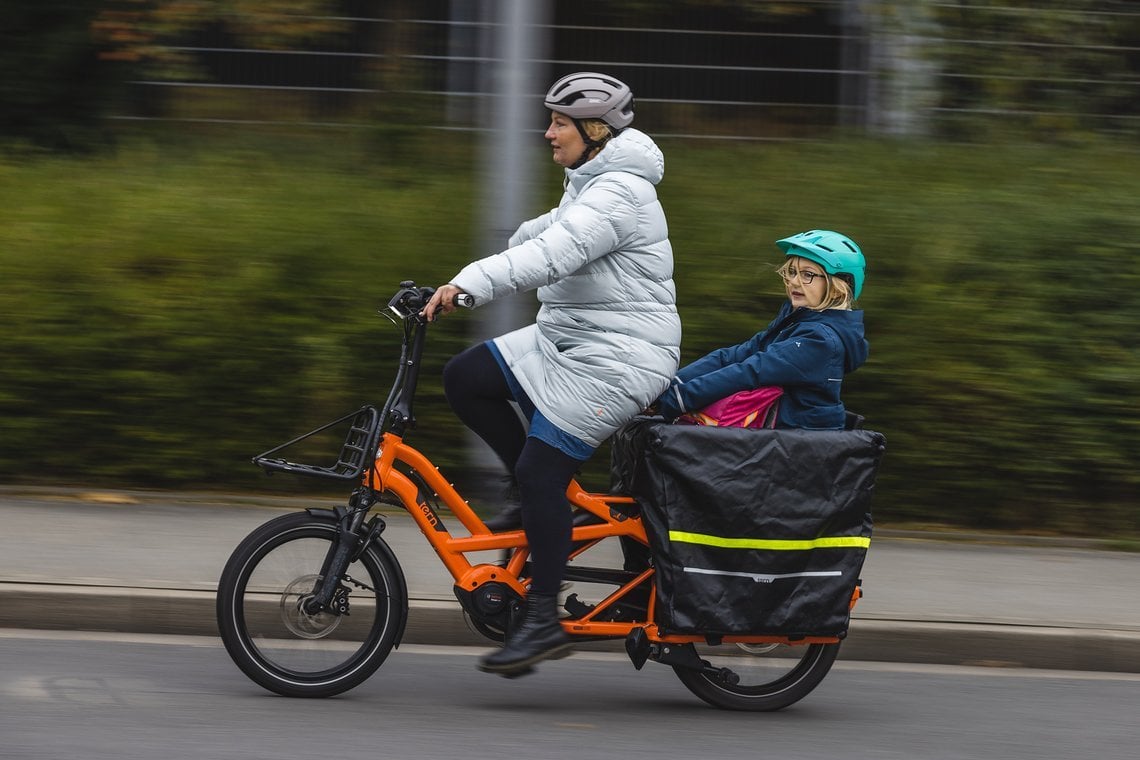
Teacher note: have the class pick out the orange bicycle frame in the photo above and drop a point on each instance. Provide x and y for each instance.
(453, 550)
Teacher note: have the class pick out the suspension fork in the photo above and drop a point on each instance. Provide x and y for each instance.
(351, 542)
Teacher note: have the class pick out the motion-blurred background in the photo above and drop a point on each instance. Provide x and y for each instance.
(203, 203)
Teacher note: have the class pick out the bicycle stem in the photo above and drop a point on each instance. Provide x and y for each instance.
(398, 413)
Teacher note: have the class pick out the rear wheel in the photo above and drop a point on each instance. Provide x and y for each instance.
(269, 634)
(758, 677)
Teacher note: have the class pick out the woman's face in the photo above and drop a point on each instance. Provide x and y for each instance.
(565, 139)
(800, 291)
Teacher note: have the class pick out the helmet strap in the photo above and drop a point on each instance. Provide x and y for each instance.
(590, 144)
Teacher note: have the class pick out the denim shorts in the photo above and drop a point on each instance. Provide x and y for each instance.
(540, 427)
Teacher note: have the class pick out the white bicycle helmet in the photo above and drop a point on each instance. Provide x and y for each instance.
(589, 95)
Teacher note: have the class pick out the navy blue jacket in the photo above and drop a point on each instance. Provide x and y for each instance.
(805, 352)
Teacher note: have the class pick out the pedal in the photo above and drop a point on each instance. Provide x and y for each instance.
(576, 607)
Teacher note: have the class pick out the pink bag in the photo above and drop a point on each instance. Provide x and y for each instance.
(747, 409)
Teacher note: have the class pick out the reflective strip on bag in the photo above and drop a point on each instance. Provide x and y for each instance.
(776, 544)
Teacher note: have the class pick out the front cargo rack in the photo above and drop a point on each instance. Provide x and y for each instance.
(356, 454)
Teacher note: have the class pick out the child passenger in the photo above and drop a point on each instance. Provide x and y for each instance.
(815, 339)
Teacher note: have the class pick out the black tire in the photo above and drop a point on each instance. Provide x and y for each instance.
(770, 677)
(279, 646)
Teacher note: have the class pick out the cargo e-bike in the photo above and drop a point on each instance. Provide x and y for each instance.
(311, 603)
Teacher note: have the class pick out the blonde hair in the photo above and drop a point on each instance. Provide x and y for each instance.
(839, 294)
(597, 130)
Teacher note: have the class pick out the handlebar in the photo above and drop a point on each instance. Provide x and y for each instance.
(410, 300)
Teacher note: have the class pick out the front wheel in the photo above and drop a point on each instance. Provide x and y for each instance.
(758, 677)
(267, 630)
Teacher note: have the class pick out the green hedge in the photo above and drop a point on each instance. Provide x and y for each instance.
(174, 309)
(54, 89)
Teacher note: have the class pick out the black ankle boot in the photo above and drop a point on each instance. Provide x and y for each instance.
(510, 516)
(538, 637)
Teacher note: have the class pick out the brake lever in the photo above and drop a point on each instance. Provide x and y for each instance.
(408, 300)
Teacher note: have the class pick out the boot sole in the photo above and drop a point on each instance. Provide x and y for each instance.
(523, 667)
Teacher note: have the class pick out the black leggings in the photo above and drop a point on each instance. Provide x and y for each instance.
(478, 393)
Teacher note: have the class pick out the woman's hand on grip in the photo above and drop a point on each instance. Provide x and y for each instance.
(441, 302)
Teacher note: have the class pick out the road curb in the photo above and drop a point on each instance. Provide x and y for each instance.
(980, 644)
(191, 612)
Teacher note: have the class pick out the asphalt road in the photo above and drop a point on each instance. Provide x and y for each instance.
(140, 697)
(149, 563)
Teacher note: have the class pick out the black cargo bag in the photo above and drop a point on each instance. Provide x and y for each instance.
(759, 532)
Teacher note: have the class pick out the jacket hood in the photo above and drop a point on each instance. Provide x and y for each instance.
(631, 151)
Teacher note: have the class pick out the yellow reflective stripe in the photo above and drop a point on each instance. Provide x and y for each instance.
(829, 542)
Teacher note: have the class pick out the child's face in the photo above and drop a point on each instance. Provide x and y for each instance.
(800, 291)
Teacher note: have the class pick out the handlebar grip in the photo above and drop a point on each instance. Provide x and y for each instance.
(466, 300)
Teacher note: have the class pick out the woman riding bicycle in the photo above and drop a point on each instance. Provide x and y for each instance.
(604, 344)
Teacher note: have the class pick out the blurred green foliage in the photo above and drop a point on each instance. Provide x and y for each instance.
(65, 65)
(1056, 69)
(176, 308)
(53, 88)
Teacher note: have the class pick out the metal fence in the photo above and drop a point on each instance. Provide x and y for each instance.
(903, 67)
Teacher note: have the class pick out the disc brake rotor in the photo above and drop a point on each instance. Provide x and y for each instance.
(293, 614)
(758, 649)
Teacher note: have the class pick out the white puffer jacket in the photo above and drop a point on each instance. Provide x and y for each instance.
(607, 338)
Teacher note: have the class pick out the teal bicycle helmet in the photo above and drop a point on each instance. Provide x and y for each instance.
(838, 254)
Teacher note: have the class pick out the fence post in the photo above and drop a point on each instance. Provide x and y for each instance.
(904, 76)
(854, 76)
(516, 39)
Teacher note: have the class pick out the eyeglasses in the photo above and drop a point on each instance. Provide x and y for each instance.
(806, 275)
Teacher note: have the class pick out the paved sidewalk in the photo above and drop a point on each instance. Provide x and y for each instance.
(150, 563)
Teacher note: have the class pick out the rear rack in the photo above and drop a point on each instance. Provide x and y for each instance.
(356, 454)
